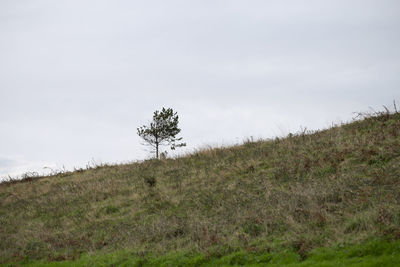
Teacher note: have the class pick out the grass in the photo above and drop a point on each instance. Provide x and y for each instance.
(371, 253)
(296, 198)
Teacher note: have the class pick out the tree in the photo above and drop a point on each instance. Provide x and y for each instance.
(162, 131)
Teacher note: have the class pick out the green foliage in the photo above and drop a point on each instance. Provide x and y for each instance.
(370, 253)
(162, 130)
(150, 181)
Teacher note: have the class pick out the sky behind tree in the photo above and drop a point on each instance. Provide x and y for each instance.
(78, 77)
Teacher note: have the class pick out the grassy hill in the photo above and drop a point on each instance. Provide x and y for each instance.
(309, 197)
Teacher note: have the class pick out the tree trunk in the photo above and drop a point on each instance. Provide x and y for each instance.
(156, 151)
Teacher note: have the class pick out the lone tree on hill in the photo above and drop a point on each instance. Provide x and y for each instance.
(162, 131)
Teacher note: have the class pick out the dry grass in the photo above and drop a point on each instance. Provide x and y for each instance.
(304, 191)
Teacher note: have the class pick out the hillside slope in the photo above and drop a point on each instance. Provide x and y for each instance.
(308, 190)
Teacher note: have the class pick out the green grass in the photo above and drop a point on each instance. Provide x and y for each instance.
(294, 195)
(371, 253)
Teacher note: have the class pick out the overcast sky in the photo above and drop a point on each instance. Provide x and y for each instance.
(78, 77)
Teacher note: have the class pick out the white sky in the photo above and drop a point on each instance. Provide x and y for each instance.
(78, 77)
